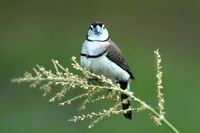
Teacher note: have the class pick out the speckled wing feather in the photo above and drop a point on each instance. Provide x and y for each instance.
(114, 54)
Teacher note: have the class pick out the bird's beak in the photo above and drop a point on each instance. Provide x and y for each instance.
(98, 30)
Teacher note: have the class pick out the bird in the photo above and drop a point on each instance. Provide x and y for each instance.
(101, 56)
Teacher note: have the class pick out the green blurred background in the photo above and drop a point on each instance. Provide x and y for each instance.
(35, 31)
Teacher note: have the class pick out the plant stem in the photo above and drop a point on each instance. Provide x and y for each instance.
(155, 113)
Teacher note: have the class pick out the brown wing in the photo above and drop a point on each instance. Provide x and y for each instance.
(114, 54)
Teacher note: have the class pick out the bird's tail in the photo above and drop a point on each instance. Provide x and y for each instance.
(125, 102)
(125, 105)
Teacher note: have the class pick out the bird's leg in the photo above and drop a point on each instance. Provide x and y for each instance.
(93, 80)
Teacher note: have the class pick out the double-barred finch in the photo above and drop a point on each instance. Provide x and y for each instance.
(102, 56)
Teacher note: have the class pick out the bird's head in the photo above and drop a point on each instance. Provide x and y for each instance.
(97, 32)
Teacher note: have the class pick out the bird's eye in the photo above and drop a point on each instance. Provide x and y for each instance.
(103, 26)
(91, 27)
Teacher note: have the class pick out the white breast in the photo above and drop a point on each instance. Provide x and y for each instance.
(101, 65)
(94, 48)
